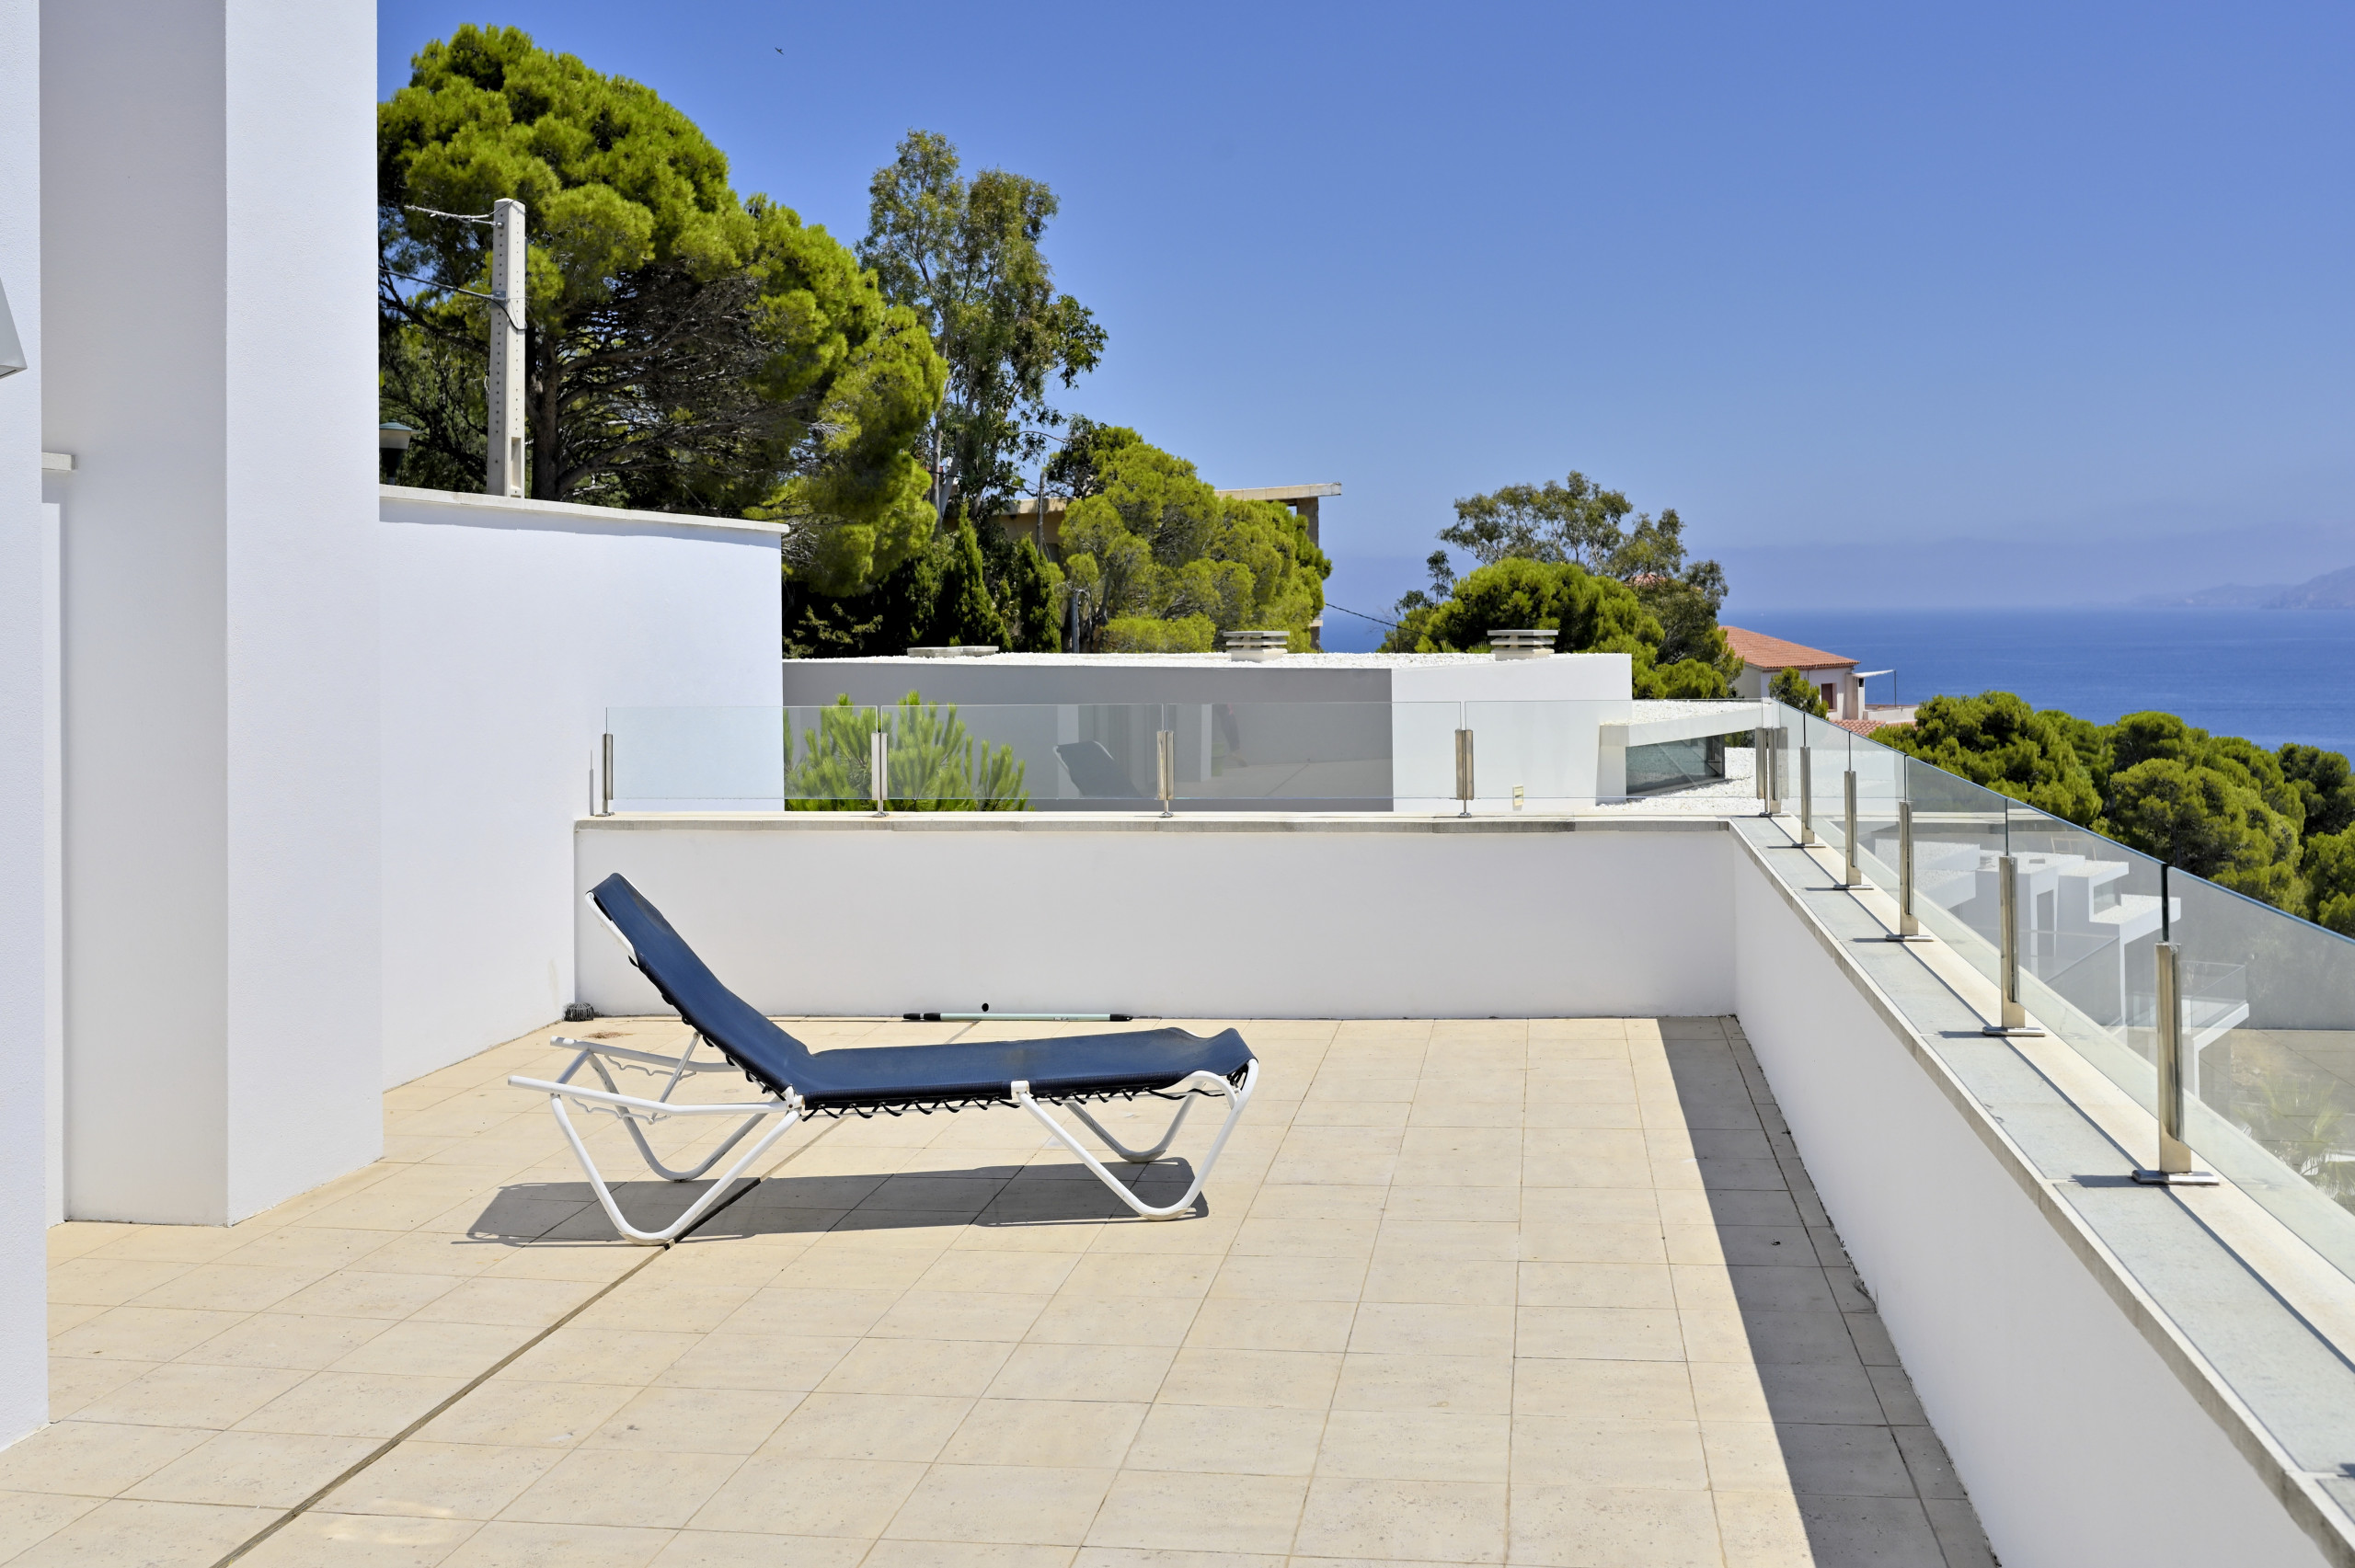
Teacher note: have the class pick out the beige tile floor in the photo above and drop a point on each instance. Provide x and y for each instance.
(1550, 1292)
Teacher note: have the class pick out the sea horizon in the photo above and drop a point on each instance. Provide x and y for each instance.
(2273, 676)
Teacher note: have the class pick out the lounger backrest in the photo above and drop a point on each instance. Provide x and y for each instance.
(766, 1052)
(1095, 773)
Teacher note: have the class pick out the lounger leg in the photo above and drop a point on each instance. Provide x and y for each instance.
(787, 1117)
(1137, 1157)
(1237, 1097)
(646, 1150)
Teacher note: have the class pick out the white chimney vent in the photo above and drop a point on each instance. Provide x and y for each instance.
(1258, 646)
(1522, 642)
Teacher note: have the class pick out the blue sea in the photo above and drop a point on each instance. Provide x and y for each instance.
(2271, 675)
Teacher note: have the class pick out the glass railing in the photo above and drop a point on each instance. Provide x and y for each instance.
(1308, 756)
(2267, 998)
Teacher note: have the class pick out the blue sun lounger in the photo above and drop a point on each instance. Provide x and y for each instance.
(1168, 1064)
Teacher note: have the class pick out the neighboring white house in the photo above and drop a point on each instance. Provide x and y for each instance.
(1832, 674)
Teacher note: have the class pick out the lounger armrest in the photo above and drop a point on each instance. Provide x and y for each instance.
(644, 1058)
(656, 1108)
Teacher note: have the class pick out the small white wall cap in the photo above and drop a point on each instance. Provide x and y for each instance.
(57, 463)
(1282, 492)
(12, 347)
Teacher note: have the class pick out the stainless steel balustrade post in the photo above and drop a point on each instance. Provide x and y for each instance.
(1773, 771)
(1849, 876)
(2174, 1168)
(879, 770)
(1807, 794)
(1464, 773)
(2014, 1015)
(606, 778)
(1164, 743)
(1908, 927)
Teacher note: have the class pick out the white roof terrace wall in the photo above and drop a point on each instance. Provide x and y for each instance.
(27, 809)
(208, 236)
(512, 625)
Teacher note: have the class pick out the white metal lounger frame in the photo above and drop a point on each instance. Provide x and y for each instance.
(634, 1112)
(1238, 1096)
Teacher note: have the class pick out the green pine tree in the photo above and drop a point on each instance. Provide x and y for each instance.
(964, 613)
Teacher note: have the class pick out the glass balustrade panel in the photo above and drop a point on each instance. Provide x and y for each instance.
(703, 759)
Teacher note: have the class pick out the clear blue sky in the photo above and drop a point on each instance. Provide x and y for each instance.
(1895, 304)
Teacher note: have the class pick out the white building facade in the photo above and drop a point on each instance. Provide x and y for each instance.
(287, 759)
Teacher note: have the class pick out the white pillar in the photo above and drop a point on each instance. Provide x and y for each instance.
(24, 726)
(207, 228)
(503, 391)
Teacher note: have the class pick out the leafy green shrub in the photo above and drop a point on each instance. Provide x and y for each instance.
(2209, 823)
(1998, 742)
(934, 766)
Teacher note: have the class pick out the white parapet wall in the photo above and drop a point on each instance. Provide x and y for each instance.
(512, 626)
(1228, 916)
(2039, 1360)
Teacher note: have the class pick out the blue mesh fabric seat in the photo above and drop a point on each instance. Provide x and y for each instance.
(1070, 1070)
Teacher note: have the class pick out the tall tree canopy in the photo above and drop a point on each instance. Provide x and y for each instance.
(965, 256)
(2329, 866)
(2256, 821)
(1160, 560)
(2324, 785)
(1590, 614)
(686, 348)
(1576, 523)
(1573, 519)
(1997, 741)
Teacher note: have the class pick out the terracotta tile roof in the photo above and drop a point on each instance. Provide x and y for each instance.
(1860, 725)
(1762, 652)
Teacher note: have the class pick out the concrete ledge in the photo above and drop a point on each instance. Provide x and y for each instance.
(445, 505)
(1128, 822)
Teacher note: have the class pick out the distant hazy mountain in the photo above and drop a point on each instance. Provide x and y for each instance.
(2332, 591)
(2232, 596)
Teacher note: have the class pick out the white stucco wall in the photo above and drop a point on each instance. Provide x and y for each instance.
(221, 732)
(1535, 723)
(2080, 1447)
(838, 913)
(510, 629)
(25, 725)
